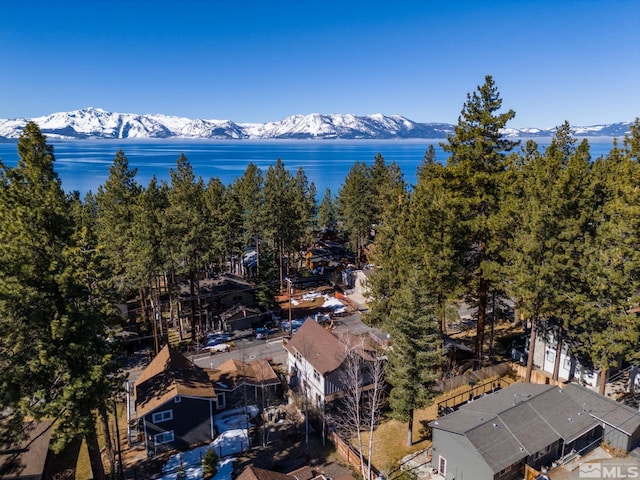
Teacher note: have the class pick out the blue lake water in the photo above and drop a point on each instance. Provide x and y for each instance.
(83, 165)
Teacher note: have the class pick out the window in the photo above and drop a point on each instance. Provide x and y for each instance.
(567, 363)
(551, 355)
(237, 298)
(442, 466)
(164, 437)
(163, 416)
(178, 399)
(316, 375)
(220, 401)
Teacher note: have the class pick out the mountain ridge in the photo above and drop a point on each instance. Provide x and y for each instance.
(97, 123)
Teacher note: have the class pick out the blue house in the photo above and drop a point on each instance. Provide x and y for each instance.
(175, 403)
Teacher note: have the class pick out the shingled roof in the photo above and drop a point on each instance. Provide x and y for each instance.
(303, 473)
(323, 350)
(234, 372)
(28, 458)
(521, 420)
(168, 375)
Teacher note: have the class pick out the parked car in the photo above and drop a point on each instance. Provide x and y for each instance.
(216, 338)
(220, 347)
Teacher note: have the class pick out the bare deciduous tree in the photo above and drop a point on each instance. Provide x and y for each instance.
(362, 380)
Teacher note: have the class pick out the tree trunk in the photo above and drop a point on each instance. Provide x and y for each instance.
(443, 313)
(192, 291)
(482, 314)
(532, 347)
(410, 429)
(104, 418)
(257, 235)
(95, 458)
(603, 380)
(556, 362)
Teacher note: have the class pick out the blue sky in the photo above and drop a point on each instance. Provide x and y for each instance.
(258, 61)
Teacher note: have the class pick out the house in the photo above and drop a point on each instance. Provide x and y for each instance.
(570, 367)
(303, 473)
(316, 357)
(240, 317)
(497, 435)
(29, 459)
(175, 403)
(214, 295)
(239, 383)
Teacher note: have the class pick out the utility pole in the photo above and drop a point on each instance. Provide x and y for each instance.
(120, 469)
(290, 287)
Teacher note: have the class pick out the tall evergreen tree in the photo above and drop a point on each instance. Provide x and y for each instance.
(115, 201)
(545, 226)
(608, 270)
(415, 355)
(433, 235)
(225, 218)
(478, 150)
(354, 205)
(248, 190)
(55, 362)
(283, 208)
(187, 231)
(327, 212)
(388, 188)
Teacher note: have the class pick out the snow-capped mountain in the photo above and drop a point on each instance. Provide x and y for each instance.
(98, 123)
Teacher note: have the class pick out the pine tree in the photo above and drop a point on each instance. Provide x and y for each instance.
(608, 270)
(286, 209)
(225, 218)
(187, 231)
(115, 200)
(415, 356)
(477, 162)
(388, 188)
(354, 205)
(55, 359)
(248, 190)
(433, 235)
(327, 212)
(541, 204)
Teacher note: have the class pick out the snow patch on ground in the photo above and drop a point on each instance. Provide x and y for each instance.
(233, 439)
(335, 305)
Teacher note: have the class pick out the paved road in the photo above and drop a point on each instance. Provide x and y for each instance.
(249, 348)
(245, 348)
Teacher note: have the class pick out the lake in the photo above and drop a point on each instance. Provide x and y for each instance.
(83, 165)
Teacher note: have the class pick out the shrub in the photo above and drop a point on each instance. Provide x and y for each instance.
(209, 463)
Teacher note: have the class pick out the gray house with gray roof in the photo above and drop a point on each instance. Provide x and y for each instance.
(495, 436)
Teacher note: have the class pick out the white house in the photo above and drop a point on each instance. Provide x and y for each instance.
(316, 357)
(570, 368)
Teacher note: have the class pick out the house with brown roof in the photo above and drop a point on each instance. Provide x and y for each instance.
(316, 359)
(500, 435)
(175, 403)
(238, 383)
(304, 473)
(29, 459)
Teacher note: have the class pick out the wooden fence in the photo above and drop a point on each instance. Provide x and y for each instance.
(350, 454)
(476, 376)
(537, 376)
